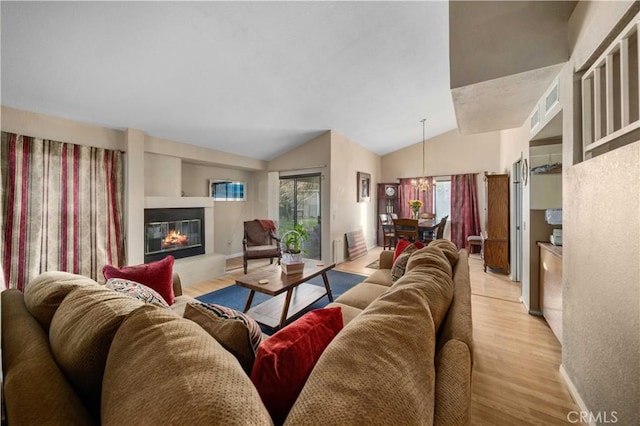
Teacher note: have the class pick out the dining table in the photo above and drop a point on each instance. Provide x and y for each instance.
(427, 227)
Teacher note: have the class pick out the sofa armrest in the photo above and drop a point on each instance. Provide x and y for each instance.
(386, 259)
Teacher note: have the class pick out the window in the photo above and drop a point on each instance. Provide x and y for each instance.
(442, 198)
(227, 191)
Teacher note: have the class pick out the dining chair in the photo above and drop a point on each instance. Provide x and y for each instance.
(440, 228)
(386, 223)
(406, 228)
(427, 216)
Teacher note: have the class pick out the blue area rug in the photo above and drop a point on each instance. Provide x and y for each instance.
(235, 297)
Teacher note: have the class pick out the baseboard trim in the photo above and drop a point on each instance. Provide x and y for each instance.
(573, 391)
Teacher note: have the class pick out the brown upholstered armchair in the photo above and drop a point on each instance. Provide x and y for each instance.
(260, 241)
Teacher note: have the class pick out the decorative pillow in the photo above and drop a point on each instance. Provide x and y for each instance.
(157, 275)
(400, 264)
(285, 360)
(235, 331)
(137, 291)
(401, 245)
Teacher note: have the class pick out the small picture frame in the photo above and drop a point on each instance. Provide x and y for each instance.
(364, 187)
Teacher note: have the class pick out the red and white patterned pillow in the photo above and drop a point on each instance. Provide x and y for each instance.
(137, 291)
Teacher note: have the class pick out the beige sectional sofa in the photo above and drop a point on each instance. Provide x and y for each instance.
(75, 352)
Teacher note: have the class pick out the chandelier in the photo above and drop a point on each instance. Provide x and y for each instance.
(422, 184)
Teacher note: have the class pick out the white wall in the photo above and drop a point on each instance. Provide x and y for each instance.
(162, 175)
(228, 215)
(601, 262)
(347, 214)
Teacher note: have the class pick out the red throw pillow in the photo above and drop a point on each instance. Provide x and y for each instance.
(285, 360)
(157, 275)
(402, 244)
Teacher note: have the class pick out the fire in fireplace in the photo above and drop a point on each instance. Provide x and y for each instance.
(178, 232)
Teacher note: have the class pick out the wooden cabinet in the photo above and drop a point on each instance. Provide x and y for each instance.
(496, 245)
(387, 203)
(550, 282)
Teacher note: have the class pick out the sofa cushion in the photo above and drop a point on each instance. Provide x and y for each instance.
(362, 295)
(432, 256)
(163, 369)
(448, 248)
(348, 312)
(285, 360)
(433, 275)
(157, 275)
(81, 333)
(35, 391)
(230, 329)
(381, 276)
(44, 293)
(453, 384)
(137, 291)
(368, 374)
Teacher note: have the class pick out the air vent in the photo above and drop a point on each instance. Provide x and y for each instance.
(552, 99)
(535, 118)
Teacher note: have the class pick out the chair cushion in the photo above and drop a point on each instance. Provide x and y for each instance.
(163, 369)
(285, 360)
(157, 275)
(262, 251)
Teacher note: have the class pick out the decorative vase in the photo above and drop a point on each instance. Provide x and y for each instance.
(415, 214)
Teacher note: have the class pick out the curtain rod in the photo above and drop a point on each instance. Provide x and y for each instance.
(303, 168)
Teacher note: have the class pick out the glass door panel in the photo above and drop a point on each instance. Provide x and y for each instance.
(300, 204)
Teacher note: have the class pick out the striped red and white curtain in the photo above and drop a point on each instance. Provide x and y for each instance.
(61, 208)
(465, 217)
(406, 192)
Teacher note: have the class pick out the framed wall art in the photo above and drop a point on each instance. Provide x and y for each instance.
(364, 187)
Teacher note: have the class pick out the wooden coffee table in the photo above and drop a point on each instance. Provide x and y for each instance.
(297, 294)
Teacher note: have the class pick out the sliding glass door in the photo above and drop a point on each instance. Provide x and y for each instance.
(300, 204)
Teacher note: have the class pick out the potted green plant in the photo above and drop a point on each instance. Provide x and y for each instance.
(292, 249)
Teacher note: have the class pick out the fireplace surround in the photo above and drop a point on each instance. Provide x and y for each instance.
(179, 232)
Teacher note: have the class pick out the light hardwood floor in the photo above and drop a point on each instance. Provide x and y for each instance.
(516, 380)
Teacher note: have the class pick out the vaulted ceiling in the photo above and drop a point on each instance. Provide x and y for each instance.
(250, 78)
(259, 78)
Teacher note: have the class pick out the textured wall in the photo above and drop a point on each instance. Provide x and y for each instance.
(601, 283)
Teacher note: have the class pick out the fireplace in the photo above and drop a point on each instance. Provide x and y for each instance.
(177, 232)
